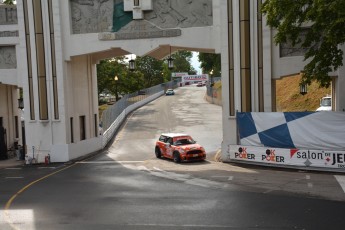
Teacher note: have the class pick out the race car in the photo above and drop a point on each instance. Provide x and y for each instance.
(179, 147)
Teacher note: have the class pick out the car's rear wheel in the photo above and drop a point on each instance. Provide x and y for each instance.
(177, 158)
(158, 152)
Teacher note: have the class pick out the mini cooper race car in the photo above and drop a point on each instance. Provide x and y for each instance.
(179, 147)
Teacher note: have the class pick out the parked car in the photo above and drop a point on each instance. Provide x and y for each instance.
(170, 92)
(325, 104)
(201, 83)
(179, 147)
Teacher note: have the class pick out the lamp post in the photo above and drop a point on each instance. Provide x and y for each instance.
(170, 61)
(131, 64)
(20, 103)
(303, 89)
(211, 84)
(116, 94)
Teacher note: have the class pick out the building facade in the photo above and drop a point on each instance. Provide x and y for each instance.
(50, 49)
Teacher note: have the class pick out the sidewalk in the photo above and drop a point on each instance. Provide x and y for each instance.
(12, 162)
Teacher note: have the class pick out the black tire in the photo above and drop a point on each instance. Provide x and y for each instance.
(158, 152)
(177, 158)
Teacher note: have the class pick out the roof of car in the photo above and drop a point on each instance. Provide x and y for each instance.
(174, 134)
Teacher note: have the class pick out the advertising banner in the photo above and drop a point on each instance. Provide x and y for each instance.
(293, 130)
(192, 78)
(289, 157)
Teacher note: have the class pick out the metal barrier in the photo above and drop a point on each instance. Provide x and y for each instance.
(113, 117)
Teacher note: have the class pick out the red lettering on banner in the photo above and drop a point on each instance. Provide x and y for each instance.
(292, 152)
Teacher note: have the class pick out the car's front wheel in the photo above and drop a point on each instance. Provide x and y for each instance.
(158, 152)
(177, 158)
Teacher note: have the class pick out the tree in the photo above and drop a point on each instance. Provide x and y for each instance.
(9, 2)
(210, 63)
(325, 23)
(106, 72)
(182, 61)
(151, 69)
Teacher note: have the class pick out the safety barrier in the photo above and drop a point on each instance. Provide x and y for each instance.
(309, 140)
(113, 117)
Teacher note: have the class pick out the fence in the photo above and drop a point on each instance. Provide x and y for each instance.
(113, 117)
(214, 93)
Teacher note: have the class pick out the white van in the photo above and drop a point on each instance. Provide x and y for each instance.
(325, 104)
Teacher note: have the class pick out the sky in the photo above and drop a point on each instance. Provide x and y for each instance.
(195, 63)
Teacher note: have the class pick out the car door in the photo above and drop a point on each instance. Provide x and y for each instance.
(161, 144)
(168, 147)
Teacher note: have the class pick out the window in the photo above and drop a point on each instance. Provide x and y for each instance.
(71, 124)
(16, 127)
(162, 138)
(82, 128)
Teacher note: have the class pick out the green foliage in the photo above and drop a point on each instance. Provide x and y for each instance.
(151, 70)
(210, 63)
(325, 20)
(106, 72)
(9, 2)
(182, 61)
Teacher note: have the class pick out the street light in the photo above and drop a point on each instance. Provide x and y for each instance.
(131, 64)
(116, 94)
(20, 103)
(303, 89)
(170, 61)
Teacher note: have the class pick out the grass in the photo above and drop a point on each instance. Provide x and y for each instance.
(290, 100)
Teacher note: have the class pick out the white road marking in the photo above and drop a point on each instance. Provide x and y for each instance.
(310, 185)
(129, 162)
(109, 162)
(341, 181)
(229, 177)
(185, 178)
(143, 168)
(307, 177)
(157, 169)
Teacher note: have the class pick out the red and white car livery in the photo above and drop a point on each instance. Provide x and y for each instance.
(179, 147)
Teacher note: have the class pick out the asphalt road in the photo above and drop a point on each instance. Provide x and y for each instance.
(126, 187)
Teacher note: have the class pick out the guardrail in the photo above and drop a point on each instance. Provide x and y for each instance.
(113, 117)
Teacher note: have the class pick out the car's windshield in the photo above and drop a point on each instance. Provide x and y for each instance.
(326, 102)
(186, 141)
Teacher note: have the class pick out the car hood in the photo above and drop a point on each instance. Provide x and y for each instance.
(190, 147)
